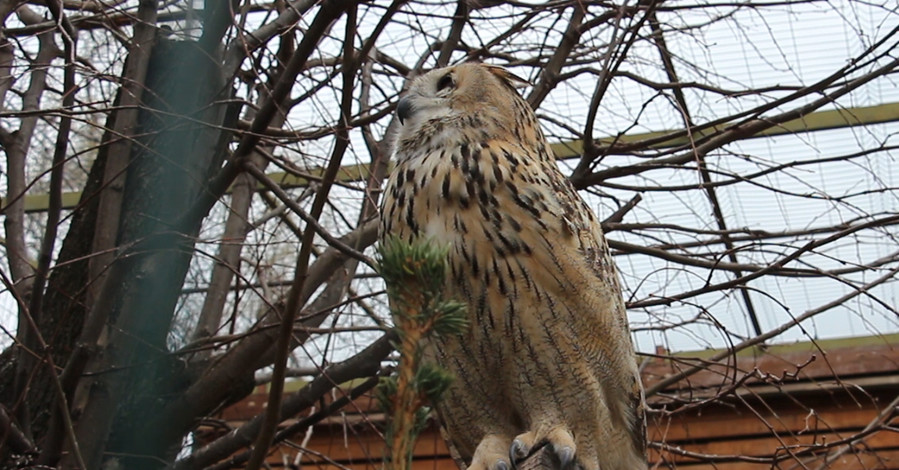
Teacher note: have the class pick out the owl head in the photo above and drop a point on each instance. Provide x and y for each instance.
(472, 90)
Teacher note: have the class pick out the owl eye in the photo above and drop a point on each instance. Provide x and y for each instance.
(445, 82)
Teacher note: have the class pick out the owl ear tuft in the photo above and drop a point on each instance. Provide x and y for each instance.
(513, 80)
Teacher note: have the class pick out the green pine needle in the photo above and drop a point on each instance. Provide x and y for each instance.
(415, 274)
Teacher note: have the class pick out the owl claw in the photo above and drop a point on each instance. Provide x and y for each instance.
(491, 454)
(565, 455)
(558, 438)
(518, 451)
(522, 446)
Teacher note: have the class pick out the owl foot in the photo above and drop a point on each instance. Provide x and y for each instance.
(492, 454)
(559, 440)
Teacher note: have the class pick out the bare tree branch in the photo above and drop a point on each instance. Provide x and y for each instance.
(228, 204)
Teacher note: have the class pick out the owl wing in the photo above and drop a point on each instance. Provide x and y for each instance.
(588, 258)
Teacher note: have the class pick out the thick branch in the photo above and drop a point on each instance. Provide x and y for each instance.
(364, 364)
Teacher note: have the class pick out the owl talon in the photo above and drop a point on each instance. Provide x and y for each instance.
(565, 455)
(491, 454)
(558, 438)
(563, 446)
(519, 450)
(522, 446)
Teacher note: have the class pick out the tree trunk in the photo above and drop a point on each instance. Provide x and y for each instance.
(179, 146)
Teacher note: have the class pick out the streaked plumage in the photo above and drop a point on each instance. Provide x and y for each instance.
(548, 355)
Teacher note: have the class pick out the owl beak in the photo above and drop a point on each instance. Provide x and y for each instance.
(404, 109)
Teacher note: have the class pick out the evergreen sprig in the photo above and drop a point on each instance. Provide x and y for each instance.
(415, 274)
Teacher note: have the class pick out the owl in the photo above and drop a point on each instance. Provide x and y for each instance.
(547, 357)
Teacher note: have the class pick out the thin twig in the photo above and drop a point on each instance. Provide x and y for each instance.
(661, 385)
(282, 347)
